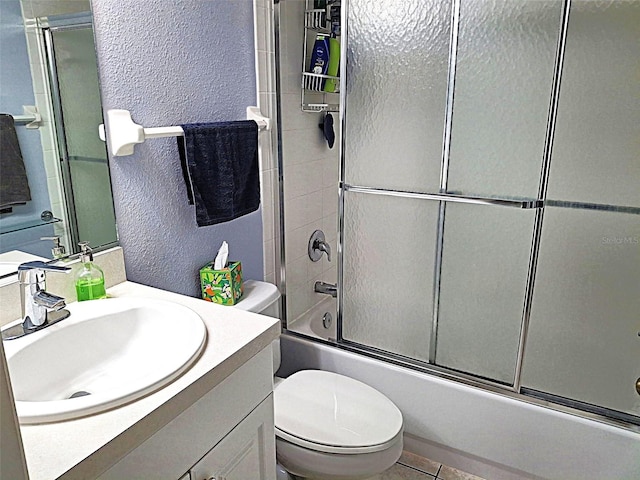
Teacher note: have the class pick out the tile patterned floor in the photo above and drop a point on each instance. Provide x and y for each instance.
(414, 467)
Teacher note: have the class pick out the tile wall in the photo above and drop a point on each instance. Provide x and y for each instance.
(266, 86)
(310, 174)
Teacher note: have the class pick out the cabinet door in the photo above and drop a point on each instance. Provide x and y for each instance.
(248, 452)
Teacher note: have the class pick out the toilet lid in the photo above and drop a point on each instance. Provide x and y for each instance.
(325, 410)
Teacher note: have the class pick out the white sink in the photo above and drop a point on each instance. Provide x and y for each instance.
(116, 350)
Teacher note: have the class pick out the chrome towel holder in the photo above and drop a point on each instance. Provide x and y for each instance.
(123, 133)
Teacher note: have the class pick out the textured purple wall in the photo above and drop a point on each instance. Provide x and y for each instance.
(171, 62)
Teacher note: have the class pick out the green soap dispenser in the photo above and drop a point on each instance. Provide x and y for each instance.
(90, 279)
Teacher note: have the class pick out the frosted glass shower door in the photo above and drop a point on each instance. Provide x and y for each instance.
(503, 84)
(483, 281)
(397, 63)
(388, 272)
(394, 117)
(584, 342)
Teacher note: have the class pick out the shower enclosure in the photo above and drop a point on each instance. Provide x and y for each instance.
(77, 107)
(489, 195)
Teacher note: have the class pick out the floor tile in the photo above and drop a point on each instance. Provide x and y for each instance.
(448, 473)
(420, 463)
(400, 472)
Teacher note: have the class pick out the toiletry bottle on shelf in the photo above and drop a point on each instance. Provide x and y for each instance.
(332, 85)
(334, 16)
(90, 278)
(319, 60)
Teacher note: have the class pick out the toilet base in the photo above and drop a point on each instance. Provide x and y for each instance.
(282, 474)
(311, 464)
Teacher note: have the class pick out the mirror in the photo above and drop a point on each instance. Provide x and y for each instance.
(48, 73)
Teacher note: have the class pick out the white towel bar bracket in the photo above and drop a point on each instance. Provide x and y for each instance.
(30, 117)
(123, 133)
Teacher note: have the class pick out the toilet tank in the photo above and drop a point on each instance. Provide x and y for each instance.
(260, 297)
(263, 298)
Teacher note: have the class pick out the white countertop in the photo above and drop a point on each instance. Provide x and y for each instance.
(86, 447)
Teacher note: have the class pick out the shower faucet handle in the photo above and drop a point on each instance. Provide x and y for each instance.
(318, 246)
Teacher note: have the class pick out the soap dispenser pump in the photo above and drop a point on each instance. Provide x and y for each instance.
(90, 278)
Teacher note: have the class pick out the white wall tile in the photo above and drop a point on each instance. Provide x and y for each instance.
(299, 180)
(266, 186)
(296, 272)
(298, 302)
(293, 118)
(260, 27)
(303, 146)
(290, 82)
(310, 167)
(330, 172)
(315, 269)
(296, 241)
(266, 65)
(330, 275)
(330, 226)
(330, 200)
(303, 210)
(269, 257)
(268, 221)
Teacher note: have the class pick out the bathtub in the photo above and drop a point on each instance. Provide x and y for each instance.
(311, 322)
(485, 433)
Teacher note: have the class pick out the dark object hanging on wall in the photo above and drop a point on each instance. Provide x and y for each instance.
(14, 185)
(327, 129)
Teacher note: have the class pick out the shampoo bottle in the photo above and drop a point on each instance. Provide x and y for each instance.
(90, 279)
(320, 59)
(332, 85)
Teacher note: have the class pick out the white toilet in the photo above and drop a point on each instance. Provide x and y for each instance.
(328, 426)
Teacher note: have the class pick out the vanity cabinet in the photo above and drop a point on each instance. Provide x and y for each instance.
(244, 453)
(227, 434)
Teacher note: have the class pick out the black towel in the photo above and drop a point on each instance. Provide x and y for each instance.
(14, 185)
(220, 167)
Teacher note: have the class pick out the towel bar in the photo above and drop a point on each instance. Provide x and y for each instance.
(31, 118)
(124, 133)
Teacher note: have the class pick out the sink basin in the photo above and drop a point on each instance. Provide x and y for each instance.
(107, 353)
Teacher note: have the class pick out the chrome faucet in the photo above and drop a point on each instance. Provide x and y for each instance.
(39, 308)
(326, 288)
(317, 246)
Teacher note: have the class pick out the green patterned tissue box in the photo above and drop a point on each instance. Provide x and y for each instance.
(222, 286)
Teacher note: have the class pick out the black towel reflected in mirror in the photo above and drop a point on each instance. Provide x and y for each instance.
(14, 185)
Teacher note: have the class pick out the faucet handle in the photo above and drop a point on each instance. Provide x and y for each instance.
(317, 246)
(40, 265)
(32, 272)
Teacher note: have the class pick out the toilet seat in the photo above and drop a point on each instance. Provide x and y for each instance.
(331, 413)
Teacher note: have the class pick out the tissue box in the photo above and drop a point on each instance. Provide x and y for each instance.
(222, 286)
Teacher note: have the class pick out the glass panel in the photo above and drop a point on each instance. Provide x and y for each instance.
(397, 62)
(504, 74)
(389, 245)
(482, 288)
(583, 338)
(82, 111)
(598, 128)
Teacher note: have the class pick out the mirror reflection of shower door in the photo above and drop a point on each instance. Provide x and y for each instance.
(77, 105)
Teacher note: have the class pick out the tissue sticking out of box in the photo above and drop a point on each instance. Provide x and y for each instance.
(222, 257)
